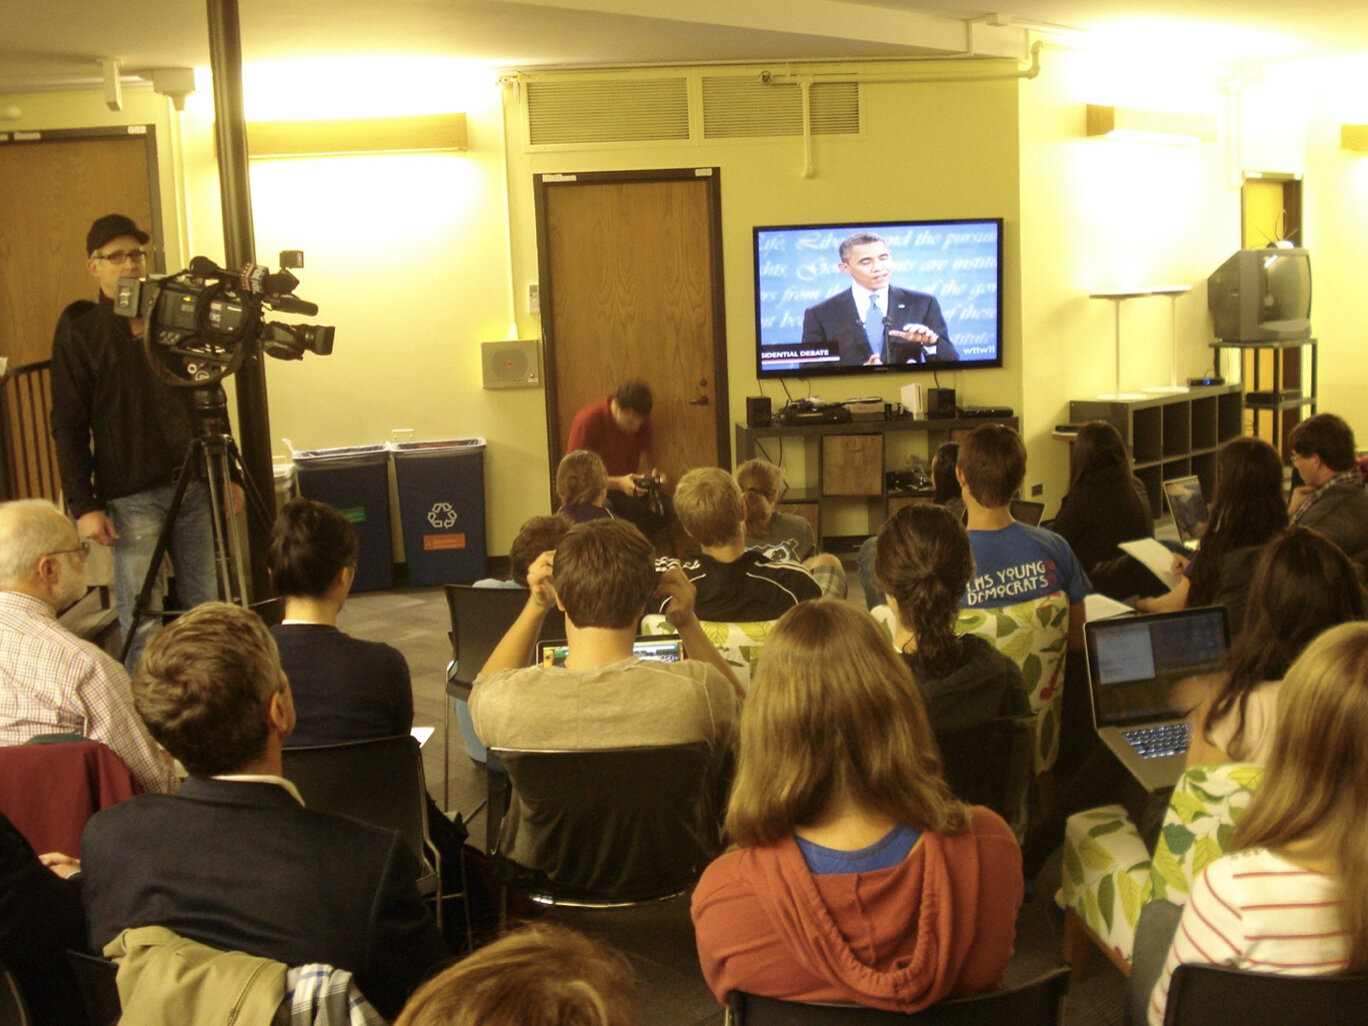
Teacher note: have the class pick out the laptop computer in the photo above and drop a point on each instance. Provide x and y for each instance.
(662, 648)
(1027, 512)
(1133, 664)
(1188, 506)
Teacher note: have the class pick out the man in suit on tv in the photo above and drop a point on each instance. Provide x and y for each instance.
(873, 323)
(234, 860)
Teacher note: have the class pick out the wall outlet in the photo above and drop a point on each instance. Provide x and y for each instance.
(401, 435)
(1037, 490)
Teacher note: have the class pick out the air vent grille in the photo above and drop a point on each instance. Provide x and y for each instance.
(741, 107)
(607, 110)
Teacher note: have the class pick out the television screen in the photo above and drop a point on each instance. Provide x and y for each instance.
(1262, 295)
(873, 297)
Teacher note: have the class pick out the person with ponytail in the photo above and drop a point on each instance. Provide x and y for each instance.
(1291, 896)
(923, 563)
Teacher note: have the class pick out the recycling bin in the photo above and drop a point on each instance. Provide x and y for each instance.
(355, 480)
(442, 509)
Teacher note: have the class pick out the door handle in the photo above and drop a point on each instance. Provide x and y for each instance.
(702, 400)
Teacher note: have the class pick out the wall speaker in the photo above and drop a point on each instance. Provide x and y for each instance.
(759, 413)
(515, 364)
(940, 403)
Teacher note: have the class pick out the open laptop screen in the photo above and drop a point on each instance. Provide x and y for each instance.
(666, 648)
(1134, 662)
(1188, 506)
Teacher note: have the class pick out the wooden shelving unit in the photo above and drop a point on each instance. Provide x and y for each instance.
(1275, 367)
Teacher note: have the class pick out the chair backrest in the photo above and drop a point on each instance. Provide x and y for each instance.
(49, 791)
(96, 977)
(993, 764)
(618, 824)
(479, 619)
(378, 780)
(1037, 1002)
(1203, 994)
(738, 642)
(1205, 805)
(13, 1011)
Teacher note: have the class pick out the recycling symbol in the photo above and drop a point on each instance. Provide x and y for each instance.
(442, 515)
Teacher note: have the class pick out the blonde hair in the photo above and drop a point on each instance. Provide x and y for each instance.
(540, 975)
(581, 478)
(708, 503)
(834, 712)
(1316, 787)
(760, 481)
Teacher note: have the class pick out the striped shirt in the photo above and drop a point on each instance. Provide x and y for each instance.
(1255, 910)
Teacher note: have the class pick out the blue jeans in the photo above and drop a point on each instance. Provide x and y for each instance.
(865, 561)
(139, 518)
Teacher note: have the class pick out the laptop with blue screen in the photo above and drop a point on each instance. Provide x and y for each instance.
(1133, 664)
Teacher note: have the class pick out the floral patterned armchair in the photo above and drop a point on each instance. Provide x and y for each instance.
(739, 643)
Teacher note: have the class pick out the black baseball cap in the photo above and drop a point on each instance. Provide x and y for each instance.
(111, 226)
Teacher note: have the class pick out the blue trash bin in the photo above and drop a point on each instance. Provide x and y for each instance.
(355, 480)
(442, 509)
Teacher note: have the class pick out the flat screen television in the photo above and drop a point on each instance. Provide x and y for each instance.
(1262, 295)
(939, 307)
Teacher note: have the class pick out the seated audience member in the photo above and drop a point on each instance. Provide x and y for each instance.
(55, 683)
(861, 879)
(1291, 894)
(945, 492)
(923, 564)
(582, 487)
(1303, 586)
(1246, 512)
(734, 583)
(40, 919)
(234, 860)
(1015, 561)
(344, 689)
(766, 528)
(539, 975)
(602, 575)
(537, 535)
(1105, 505)
(1331, 498)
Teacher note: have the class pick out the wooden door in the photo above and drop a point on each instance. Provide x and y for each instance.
(631, 287)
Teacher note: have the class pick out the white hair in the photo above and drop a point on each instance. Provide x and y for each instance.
(29, 530)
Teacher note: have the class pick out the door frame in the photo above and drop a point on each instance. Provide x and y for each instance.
(722, 404)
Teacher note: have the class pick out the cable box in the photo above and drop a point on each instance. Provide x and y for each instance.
(1268, 397)
(985, 411)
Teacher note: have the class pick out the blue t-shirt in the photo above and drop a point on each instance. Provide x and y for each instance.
(887, 851)
(1020, 562)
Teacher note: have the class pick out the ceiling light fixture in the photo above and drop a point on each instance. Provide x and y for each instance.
(416, 134)
(1136, 124)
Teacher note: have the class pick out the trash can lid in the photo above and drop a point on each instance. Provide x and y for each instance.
(444, 447)
(342, 453)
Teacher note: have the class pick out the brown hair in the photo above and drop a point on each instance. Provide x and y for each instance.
(923, 562)
(708, 502)
(310, 542)
(202, 686)
(1327, 436)
(760, 481)
(1316, 787)
(539, 975)
(943, 478)
(1303, 585)
(1097, 446)
(635, 395)
(993, 460)
(537, 535)
(1247, 509)
(581, 478)
(604, 573)
(833, 711)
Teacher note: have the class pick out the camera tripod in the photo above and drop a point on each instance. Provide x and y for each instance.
(213, 456)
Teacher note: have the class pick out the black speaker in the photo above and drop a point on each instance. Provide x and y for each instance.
(940, 403)
(758, 411)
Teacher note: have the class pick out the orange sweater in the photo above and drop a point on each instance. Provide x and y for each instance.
(939, 924)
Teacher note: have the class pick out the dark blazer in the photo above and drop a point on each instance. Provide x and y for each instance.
(1342, 516)
(837, 319)
(242, 866)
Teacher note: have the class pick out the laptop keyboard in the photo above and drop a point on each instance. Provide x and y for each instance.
(1156, 742)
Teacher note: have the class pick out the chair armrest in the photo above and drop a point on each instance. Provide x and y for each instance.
(1106, 875)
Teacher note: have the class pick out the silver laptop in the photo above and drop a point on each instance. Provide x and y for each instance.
(662, 648)
(1027, 512)
(1188, 506)
(1133, 664)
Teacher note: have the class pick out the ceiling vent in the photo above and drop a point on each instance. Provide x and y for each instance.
(744, 107)
(608, 110)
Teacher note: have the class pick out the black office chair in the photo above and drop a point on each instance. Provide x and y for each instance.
(96, 978)
(13, 1011)
(1038, 1002)
(1203, 994)
(379, 781)
(993, 765)
(607, 827)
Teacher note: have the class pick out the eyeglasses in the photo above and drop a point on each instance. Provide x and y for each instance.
(83, 549)
(123, 256)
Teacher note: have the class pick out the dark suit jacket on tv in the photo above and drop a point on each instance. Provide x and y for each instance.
(241, 866)
(837, 319)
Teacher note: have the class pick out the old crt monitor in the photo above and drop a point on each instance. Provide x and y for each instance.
(940, 284)
(1262, 295)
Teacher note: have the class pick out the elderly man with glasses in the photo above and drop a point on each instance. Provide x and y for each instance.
(52, 682)
(122, 434)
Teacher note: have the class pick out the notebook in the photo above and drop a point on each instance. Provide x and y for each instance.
(663, 648)
(1188, 506)
(1133, 664)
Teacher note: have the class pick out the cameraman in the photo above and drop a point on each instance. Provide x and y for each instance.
(122, 434)
(618, 428)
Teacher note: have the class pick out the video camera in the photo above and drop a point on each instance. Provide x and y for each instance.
(201, 321)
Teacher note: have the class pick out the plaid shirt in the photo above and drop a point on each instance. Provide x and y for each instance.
(1350, 476)
(52, 682)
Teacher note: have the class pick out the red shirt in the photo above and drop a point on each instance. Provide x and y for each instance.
(594, 429)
